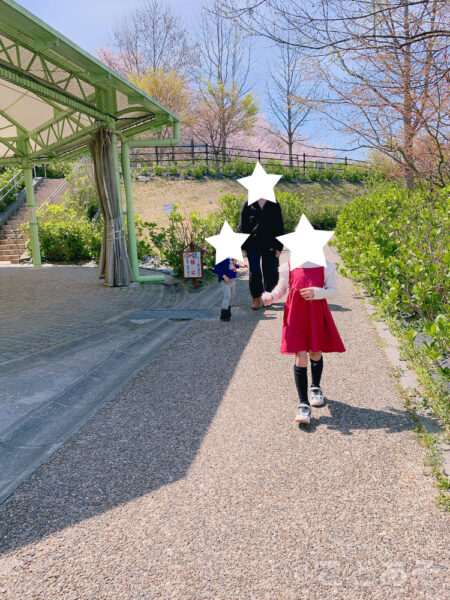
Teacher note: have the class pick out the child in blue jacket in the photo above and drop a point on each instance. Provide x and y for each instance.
(226, 272)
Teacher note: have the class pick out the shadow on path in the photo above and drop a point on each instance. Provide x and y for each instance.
(145, 438)
(346, 418)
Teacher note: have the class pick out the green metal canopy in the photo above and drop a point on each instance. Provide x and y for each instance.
(54, 99)
(53, 94)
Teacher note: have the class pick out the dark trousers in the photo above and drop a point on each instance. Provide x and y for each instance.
(266, 278)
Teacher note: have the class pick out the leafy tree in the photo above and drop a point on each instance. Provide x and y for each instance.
(168, 88)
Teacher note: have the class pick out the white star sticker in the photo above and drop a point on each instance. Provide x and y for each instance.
(228, 244)
(306, 244)
(260, 185)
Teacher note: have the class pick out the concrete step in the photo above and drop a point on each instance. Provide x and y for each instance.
(16, 220)
(10, 257)
(21, 247)
(12, 249)
(11, 236)
(13, 243)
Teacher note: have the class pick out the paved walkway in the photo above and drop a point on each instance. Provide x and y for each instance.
(194, 483)
(57, 304)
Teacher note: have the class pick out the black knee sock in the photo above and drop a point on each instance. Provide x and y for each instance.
(316, 371)
(301, 381)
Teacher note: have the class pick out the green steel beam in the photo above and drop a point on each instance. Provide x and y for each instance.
(117, 170)
(44, 91)
(47, 151)
(13, 121)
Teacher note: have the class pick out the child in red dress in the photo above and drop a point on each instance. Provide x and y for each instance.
(307, 326)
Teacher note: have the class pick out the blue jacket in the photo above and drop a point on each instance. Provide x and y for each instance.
(226, 267)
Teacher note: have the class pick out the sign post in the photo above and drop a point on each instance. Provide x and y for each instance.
(192, 262)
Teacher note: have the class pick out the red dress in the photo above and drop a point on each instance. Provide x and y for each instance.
(308, 324)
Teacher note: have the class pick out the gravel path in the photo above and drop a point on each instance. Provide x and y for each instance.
(195, 483)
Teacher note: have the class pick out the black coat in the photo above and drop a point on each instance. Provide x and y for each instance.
(263, 225)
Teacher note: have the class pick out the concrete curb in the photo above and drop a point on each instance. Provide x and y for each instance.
(406, 376)
(27, 444)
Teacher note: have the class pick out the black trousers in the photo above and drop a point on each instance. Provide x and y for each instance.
(266, 278)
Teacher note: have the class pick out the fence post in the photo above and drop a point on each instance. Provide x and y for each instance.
(304, 163)
(206, 153)
(173, 154)
(298, 163)
(192, 150)
(345, 161)
(156, 152)
(259, 155)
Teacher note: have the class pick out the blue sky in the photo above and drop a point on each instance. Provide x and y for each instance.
(88, 23)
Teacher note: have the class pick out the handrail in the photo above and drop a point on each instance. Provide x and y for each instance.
(62, 185)
(51, 198)
(13, 186)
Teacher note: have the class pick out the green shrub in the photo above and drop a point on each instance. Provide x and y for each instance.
(289, 175)
(353, 173)
(237, 168)
(323, 215)
(199, 171)
(230, 209)
(158, 169)
(397, 244)
(56, 170)
(173, 170)
(66, 237)
(80, 195)
(228, 169)
(275, 166)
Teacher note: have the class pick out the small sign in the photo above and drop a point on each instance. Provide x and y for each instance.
(169, 208)
(192, 262)
(139, 165)
(192, 265)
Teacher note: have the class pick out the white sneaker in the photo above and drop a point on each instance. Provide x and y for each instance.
(303, 414)
(316, 396)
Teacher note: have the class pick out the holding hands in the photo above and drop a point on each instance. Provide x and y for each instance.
(307, 293)
(267, 298)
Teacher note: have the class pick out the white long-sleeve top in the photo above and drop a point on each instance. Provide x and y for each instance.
(329, 289)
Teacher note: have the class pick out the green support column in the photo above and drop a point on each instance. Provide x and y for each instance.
(34, 233)
(131, 228)
(117, 170)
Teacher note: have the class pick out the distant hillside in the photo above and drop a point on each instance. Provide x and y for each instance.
(204, 195)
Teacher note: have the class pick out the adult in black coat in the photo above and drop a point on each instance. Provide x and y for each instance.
(263, 220)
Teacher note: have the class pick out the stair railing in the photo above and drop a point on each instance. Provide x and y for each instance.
(11, 185)
(18, 234)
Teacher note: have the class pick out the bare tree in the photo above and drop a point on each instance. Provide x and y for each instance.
(289, 101)
(384, 62)
(224, 106)
(151, 37)
(317, 19)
